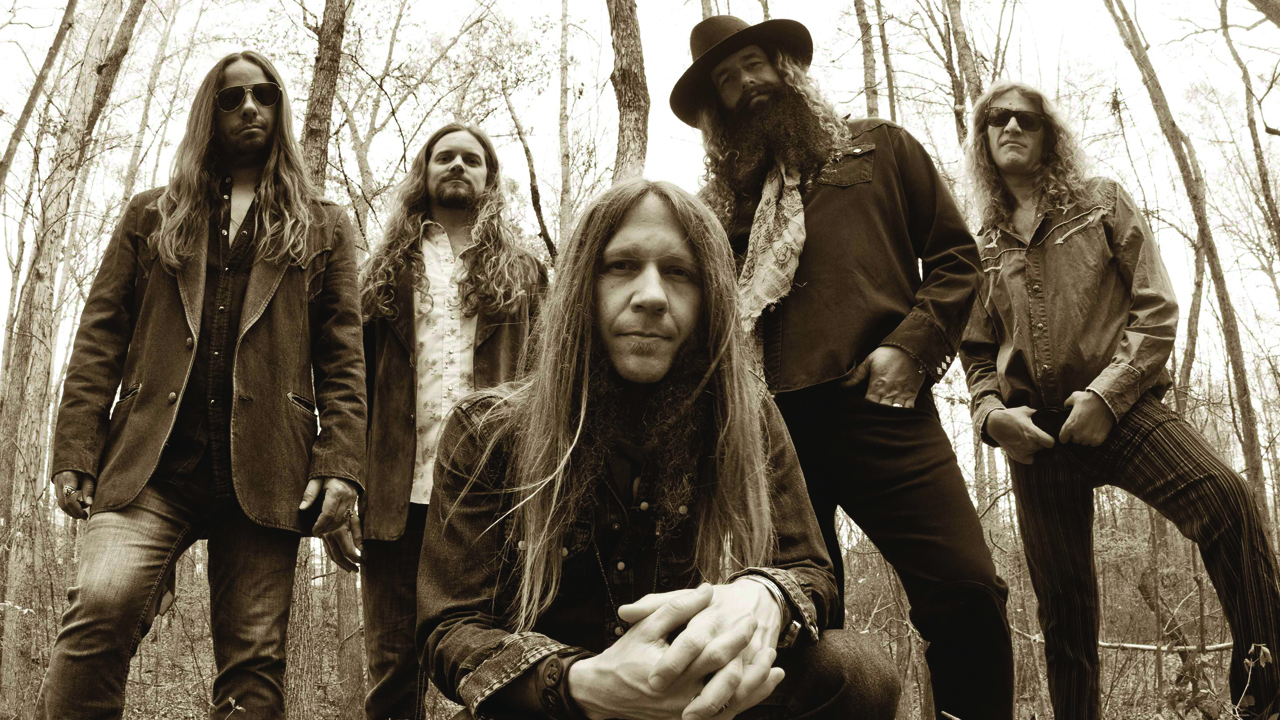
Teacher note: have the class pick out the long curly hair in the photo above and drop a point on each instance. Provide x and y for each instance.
(716, 192)
(286, 195)
(541, 418)
(1062, 179)
(497, 276)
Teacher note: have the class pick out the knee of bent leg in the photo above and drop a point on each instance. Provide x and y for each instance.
(851, 676)
(968, 608)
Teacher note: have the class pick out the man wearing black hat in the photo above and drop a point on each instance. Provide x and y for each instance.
(845, 232)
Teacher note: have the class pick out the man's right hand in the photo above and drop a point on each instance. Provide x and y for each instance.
(1014, 432)
(344, 544)
(74, 492)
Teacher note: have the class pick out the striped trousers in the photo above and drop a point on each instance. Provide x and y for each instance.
(1162, 460)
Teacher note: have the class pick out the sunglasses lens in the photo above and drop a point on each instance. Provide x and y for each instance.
(1030, 122)
(999, 118)
(230, 98)
(266, 94)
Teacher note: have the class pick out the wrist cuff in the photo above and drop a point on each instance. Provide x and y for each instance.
(553, 686)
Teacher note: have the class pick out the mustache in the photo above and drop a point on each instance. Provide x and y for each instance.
(744, 102)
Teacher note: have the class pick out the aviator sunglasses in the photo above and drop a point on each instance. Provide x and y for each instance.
(1027, 120)
(265, 94)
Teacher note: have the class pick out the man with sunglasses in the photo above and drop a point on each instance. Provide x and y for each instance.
(215, 390)
(857, 273)
(1065, 355)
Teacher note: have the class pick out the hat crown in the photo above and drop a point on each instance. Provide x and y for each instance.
(708, 33)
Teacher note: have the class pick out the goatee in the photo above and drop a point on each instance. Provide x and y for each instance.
(782, 128)
(457, 196)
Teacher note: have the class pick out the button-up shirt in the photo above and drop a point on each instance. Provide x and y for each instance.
(443, 355)
(1084, 303)
(623, 546)
(202, 430)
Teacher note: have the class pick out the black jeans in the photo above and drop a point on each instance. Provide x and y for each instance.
(894, 472)
(389, 588)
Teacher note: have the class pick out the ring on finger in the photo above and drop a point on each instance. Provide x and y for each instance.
(68, 490)
(897, 404)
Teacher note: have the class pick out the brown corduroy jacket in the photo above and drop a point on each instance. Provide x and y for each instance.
(298, 358)
(392, 388)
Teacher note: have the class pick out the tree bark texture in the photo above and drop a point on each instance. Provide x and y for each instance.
(707, 10)
(135, 156)
(1193, 334)
(566, 167)
(37, 88)
(324, 81)
(1270, 8)
(301, 663)
(888, 66)
(1193, 181)
(1268, 199)
(964, 52)
(869, 87)
(631, 89)
(26, 409)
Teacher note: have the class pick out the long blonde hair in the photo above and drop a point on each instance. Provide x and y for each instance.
(285, 194)
(497, 278)
(1062, 175)
(716, 192)
(542, 418)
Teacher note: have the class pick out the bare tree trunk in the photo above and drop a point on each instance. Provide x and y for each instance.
(964, 53)
(707, 11)
(1272, 212)
(630, 88)
(888, 66)
(1270, 8)
(947, 58)
(566, 168)
(535, 195)
(350, 647)
(324, 80)
(22, 454)
(1193, 333)
(764, 5)
(1193, 181)
(135, 157)
(868, 59)
(302, 664)
(20, 128)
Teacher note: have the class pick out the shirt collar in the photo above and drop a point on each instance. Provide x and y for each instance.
(436, 235)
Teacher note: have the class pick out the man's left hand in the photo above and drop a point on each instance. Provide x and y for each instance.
(339, 502)
(1090, 420)
(896, 377)
(741, 607)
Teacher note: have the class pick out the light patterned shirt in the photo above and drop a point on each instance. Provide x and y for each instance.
(444, 351)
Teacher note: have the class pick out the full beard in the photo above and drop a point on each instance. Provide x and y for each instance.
(782, 129)
(664, 418)
(457, 196)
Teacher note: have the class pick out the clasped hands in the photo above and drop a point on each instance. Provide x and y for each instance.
(1089, 424)
(720, 663)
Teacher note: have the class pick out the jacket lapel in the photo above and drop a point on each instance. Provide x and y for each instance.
(403, 323)
(191, 284)
(264, 278)
(485, 326)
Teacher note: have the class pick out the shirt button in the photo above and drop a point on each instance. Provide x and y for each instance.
(190, 343)
(1045, 368)
(644, 505)
(616, 526)
(622, 565)
(222, 308)
(173, 398)
(683, 509)
(618, 631)
(213, 402)
(226, 197)
(216, 353)
(226, 269)
(520, 545)
(224, 232)
(1040, 325)
(564, 552)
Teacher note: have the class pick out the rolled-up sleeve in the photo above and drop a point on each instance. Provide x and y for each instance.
(1153, 315)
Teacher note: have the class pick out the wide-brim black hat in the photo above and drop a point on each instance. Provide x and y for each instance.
(720, 36)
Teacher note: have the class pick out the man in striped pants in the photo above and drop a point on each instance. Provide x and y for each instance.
(1065, 357)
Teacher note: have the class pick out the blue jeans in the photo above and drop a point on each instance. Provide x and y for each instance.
(389, 585)
(124, 558)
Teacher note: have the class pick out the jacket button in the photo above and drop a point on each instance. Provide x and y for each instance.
(173, 398)
(190, 343)
(564, 552)
(622, 565)
(644, 505)
(618, 631)
(683, 509)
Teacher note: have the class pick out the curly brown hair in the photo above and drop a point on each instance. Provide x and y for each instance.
(498, 276)
(1062, 179)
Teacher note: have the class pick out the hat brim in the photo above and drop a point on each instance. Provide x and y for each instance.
(693, 86)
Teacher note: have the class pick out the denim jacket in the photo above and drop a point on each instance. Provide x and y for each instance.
(1086, 304)
(467, 585)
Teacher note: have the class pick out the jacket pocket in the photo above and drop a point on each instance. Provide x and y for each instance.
(306, 404)
(129, 393)
(857, 166)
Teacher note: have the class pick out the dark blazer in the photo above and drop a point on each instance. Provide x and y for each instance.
(137, 334)
(392, 388)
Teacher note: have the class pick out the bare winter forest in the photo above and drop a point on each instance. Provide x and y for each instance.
(1177, 99)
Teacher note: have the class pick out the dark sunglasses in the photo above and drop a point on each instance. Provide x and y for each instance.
(1027, 120)
(265, 94)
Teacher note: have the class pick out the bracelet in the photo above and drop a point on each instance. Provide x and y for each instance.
(790, 628)
(553, 690)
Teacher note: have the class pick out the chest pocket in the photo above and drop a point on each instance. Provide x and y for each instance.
(1076, 224)
(857, 166)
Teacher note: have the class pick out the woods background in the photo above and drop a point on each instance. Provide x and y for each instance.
(1176, 99)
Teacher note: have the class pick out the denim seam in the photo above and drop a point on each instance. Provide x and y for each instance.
(137, 629)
